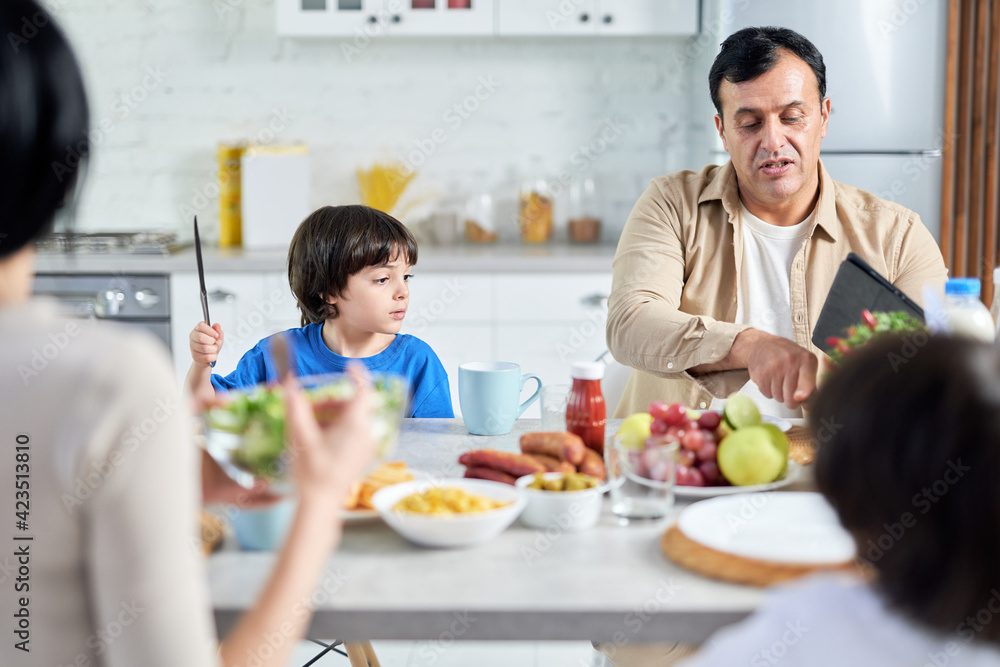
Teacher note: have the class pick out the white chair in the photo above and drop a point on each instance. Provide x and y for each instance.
(613, 384)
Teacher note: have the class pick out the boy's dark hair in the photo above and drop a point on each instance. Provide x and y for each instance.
(43, 123)
(751, 52)
(335, 242)
(911, 463)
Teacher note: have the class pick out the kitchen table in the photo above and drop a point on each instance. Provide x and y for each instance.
(609, 584)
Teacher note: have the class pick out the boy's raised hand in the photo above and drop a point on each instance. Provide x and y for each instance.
(206, 343)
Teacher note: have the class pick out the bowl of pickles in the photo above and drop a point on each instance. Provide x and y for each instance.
(246, 436)
(564, 501)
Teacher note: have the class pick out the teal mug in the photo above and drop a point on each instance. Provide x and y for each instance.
(265, 528)
(488, 393)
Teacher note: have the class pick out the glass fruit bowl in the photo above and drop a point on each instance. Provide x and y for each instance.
(247, 435)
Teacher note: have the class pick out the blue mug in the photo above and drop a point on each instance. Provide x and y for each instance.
(264, 529)
(488, 393)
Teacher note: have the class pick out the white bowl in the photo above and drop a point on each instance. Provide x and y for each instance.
(564, 510)
(456, 530)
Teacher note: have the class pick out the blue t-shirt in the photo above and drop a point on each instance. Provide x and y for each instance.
(407, 355)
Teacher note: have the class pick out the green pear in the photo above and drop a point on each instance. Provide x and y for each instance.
(750, 456)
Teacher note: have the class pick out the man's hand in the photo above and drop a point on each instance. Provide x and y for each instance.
(782, 369)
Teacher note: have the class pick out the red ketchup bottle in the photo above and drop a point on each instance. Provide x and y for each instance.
(586, 414)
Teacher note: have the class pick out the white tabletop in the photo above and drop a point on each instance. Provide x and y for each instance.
(610, 583)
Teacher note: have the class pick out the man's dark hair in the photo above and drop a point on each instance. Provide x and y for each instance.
(911, 462)
(335, 242)
(43, 123)
(751, 52)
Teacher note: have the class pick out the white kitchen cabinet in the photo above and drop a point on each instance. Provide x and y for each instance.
(647, 17)
(546, 17)
(542, 321)
(363, 20)
(249, 306)
(323, 18)
(439, 17)
(366, 19)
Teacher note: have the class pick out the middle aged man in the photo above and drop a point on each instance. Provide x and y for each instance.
(729, 267)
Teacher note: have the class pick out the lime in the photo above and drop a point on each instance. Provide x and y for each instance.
(740, 411)
(634, 430)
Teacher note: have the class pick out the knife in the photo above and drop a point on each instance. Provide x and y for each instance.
(201, 276)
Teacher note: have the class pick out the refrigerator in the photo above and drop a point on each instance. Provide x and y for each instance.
(885, 71)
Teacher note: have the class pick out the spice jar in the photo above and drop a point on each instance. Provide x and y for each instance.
(584, 222)
(535, 212)
(586, 413)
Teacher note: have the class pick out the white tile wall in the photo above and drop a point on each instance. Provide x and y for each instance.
(171, 78)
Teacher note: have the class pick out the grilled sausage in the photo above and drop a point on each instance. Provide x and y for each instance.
(561, 445)
(517, 465)
(593, 465)
(552, 464)
(481, 472)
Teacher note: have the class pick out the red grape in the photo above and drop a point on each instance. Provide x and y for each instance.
(674, 434)
(658, 427)
(708, 452)
(710, 471)
(693, 439)
(658, 409)
(686, 457)
(709, 420)
(676, 414)
(695, 478)
(683, 475)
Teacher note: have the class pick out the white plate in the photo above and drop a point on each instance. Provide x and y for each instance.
(791, 476)
(791, 527)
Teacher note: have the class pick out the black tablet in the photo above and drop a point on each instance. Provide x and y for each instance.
(858, 286)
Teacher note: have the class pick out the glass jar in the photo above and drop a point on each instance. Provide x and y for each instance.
(584, 221)
(535, 211)
(480, 218)
(586, 414)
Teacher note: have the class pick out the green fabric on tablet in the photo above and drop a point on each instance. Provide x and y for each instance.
(858, 286)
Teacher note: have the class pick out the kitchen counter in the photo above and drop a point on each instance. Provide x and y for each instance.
(610, 583)
(544, 258)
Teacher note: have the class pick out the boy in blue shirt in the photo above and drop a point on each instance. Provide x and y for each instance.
(348, 267)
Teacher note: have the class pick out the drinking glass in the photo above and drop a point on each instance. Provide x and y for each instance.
(554, 399)
(641, 480)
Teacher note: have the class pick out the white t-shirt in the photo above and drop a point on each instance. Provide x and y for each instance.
(763, 298)
(830, 620)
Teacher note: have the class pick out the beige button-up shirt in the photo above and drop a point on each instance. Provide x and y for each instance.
(678, 263)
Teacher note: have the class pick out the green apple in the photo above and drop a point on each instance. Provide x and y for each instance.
(750, 456)
(780, 440)
(634, 430)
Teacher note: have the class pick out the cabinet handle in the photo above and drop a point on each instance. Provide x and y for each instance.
(608, 18)
(221, 295)
(147, 298)
(596, 300)
(584, 17)
(396, 18)
(372, 19)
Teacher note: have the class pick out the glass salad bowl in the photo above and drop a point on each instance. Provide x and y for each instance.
(247, 435)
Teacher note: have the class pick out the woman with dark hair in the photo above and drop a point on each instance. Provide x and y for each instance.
(911, 465)
(97, 468)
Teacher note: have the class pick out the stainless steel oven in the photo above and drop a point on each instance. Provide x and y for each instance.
(137, 300)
